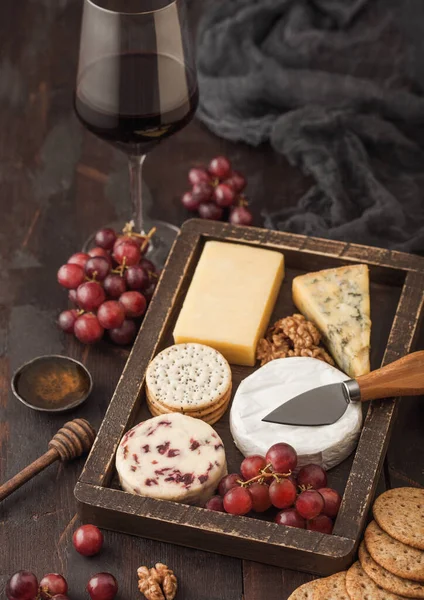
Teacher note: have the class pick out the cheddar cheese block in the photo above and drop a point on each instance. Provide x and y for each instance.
(230, 299)
(338, 302)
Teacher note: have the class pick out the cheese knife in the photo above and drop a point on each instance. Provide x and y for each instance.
(326, 404)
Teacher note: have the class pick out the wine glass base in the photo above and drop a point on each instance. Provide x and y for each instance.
(161, 241)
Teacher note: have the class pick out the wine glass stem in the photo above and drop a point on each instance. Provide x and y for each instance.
(136, 189)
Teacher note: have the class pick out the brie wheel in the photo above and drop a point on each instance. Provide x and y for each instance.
(274, 384)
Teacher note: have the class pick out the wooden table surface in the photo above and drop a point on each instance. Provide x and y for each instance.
(58, 184)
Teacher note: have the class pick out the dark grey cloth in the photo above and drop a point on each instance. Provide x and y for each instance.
(334, 85)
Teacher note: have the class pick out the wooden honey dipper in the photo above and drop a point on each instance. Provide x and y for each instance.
(74, 439)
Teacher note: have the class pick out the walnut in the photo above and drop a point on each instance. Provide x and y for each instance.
(300, 331)
(157, 583)
(291, 336)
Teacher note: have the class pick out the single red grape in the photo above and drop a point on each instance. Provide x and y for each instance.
(128, 251)
(321, 523)
(114, 285)
(53, 584)
(70, 276)
(102, 586)
(125, 334)
(202, 192)
(147, 265)
(190, 202)
(137, 278)
(79, 258)
(134, 304)
(240, 215)
(261, 500)
(282, 493)
(220, 167)
(291, 518)
(67, 320)
(223, 195)
(312, 476)
(23, 585)
(209, 210)
(228, 482)
(236, 181)
(282, 457)
(149, 292)
(87, 329)
(198, 175)
(97, 268)
(97, 251)
(251, 466)
(90, 295)
(309, 504)
(215, 503)
(88, 540)
(332, 501)
(238, 501)
(60, 597)
(122, 239)
(111, 314)
(105, 238)
(72, 297)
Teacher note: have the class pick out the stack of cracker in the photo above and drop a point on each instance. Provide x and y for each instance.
(391, 556)
(192, 379)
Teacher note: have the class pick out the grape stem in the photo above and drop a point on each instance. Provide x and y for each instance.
(121, 269)
(264, 473)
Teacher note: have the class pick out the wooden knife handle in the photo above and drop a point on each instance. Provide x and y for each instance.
(404, 377)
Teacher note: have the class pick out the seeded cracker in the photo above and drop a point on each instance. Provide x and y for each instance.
(398, 558)
(361, 587)
(388, 581)
(307, 591)
(334, 587)
(400, 513)
(188, 377)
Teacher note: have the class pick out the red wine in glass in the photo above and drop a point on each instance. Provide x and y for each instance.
(135, 100)
(136, 86)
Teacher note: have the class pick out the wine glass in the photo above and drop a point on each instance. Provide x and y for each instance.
(137, 85)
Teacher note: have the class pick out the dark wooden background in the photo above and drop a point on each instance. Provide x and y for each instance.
(57, 185)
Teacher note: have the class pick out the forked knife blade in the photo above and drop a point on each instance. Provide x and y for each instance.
(325, 405)
(320, 406)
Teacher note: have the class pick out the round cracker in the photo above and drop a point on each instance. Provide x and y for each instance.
(334, 587)
(387, 580)
(400, 512)
(307, 591)
(197, 414)
(209, 419)
(188, 377)
(361, 587)
(394, 556)
(216, 414)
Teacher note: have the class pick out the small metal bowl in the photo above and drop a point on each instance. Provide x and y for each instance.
(37, 383)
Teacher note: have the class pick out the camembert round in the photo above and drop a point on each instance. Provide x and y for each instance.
(272, 385)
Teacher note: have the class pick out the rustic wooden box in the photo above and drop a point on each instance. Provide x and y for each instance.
(397, 284)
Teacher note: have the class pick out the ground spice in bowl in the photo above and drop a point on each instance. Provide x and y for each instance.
(52, 383)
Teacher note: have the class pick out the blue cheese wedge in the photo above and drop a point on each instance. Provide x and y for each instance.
(338, 302)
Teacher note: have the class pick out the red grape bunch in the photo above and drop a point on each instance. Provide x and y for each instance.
(217, 193)
(110, 286)
(304, 501)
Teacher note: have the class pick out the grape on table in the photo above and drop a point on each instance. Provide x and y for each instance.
(110, 287)
(216, 193)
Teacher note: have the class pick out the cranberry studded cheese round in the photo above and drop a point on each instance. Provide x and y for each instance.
(172, 457)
